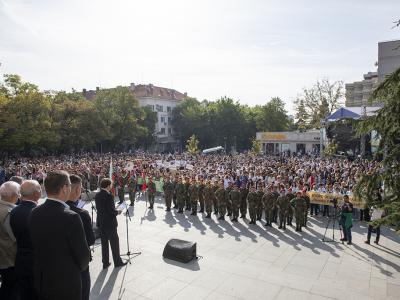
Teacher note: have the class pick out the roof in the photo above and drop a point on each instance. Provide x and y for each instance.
(352, 112)
(152, 91)
(144, 91)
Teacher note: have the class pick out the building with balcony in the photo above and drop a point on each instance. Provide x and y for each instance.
(358, 93)
(162, 101)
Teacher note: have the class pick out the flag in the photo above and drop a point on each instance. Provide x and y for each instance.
(111, 169)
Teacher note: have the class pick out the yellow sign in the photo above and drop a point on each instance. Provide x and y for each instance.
(273, 136)
(325, 199)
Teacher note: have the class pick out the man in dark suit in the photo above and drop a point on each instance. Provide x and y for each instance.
(76, 189)
(60, 248)
(107, 223)
(24, 261)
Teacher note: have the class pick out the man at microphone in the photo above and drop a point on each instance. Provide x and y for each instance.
(74, 195)
(107, 223)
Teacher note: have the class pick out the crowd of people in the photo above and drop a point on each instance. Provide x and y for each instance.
(267, 189)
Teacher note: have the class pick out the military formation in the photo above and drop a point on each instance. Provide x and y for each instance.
(272, 204)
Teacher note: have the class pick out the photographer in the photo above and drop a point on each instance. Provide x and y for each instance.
(346, 219)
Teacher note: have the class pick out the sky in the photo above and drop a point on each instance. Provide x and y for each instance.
(249, 50)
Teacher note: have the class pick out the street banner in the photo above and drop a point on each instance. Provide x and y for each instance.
(326, 198)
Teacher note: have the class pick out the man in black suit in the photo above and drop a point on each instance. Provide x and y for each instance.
(76, 189)
(107, 223)
(24, 261)
(60, 248)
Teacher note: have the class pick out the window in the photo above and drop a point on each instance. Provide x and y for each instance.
(159, 108)
(169, 120)
(170, 131)
(169, 109)
(162, 131)
(151, 107)
(162, 119)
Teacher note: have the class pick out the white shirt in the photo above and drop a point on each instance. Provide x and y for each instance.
(59, 201)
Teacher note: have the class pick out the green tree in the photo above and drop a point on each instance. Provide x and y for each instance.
(191, 145)
(319, 101)
(387, 124)
(272, 116)
(120, 117)
(24, 117)
(302, 116)
(148, 123)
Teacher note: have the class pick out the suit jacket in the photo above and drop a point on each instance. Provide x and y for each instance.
(106, 212)
(86, 221)
(24, 260)
(60, 249)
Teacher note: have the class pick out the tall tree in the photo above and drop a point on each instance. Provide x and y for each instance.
(302, 116)
(387, 124)
(320, 101)
(272, 116)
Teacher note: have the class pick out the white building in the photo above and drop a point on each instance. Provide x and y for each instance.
(289, 141)
(160, 100)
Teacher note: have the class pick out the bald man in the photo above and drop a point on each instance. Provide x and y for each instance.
(30, 194)
(9, 193)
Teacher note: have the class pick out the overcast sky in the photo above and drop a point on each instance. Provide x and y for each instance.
(249, 50)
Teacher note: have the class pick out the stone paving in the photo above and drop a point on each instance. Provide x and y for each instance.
(241, 261)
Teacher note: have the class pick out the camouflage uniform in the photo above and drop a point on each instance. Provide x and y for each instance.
(307, 207)
(252, 204)
(193, 192)
(132, 189)
(180, 196)
(234, 196)
(220, 194)
(187, 196)
(228, 201)
(168, 192)
(174, 194)
(208, 196)
(275, 206)
(260, 206)
(299, 208)
(268, 202)
(243, 201)
(201, 187)
(151, 193)
(283, 207)
(290, 196)
(214, 199)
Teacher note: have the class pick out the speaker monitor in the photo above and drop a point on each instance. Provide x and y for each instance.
(179, 250)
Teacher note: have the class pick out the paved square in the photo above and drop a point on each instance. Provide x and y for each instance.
(241, 261)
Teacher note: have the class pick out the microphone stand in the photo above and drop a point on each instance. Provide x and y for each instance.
(129, 254)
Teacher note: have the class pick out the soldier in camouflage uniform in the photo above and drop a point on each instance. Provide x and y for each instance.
(268, 202)
(299, 208)
(187, 196)
(121, 181)
(168, 193)
(290, 196)
(193, 192)
(275, 205)
(307, 206)
(201, 187)
(174, 195)
(208, 196)
(234, 196)
(252, 204)
(260, 207)
(180, 195)
(151, 192)
(243, 200)
(214, 198)
(132, 183)
(228, 200)
(283, 207)
(220, 194)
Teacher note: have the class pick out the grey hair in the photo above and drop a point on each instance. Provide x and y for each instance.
(29, 187)
(9, 189)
